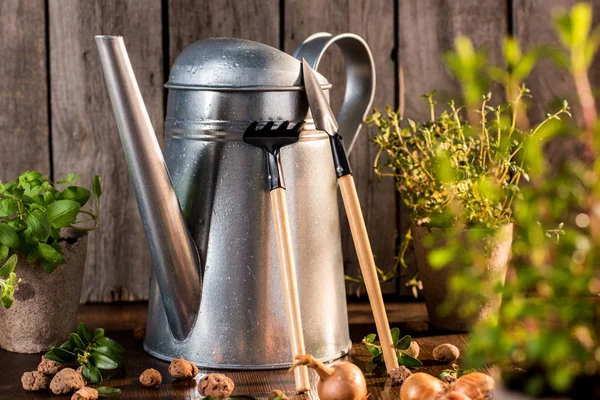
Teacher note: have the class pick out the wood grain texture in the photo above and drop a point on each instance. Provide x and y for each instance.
(120, 320)
(374, 21)
(23, 89)
(426, 31)
(192, 20)
(85, 136)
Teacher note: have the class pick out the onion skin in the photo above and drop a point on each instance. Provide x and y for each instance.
(453, 396)
(422, 386)
(340, 381)
(476, 385)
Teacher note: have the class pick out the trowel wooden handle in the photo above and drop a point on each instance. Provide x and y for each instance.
(287, 267)
(368, 269)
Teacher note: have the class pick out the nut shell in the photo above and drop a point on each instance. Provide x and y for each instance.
(34, 381)
(446, 352)
(85, 393)
(182, 369)
(150, 378)
(66, 381)
(216, 385)
(49, 367)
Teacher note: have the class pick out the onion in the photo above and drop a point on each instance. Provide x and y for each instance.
(475, 385)
(422, 386)
(340, 381)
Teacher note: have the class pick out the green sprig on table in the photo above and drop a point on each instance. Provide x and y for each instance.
(400, 344)
(33, 212)
(93, 351)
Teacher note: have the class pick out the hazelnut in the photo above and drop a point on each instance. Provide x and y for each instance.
(446, 352)
(49, 367)
(150, 378)
(34, 381)
(66, 381)
(399, 375)
(216, 385)
(85, 393)
(413, 350)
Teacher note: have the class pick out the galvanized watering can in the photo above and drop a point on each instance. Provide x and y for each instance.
(216, 293)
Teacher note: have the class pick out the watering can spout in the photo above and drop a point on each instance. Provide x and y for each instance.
(176, 261)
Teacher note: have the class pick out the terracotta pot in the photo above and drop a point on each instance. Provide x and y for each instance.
(45, 307)
(436, 282)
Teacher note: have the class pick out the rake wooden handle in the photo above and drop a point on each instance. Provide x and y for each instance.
(287, 267)
(368, 269)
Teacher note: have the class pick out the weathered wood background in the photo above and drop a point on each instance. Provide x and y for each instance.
(55, 115)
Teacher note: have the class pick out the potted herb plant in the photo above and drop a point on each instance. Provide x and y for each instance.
(545, 340)
(43, 245)
(459, 174)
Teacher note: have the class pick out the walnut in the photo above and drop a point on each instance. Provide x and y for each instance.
(413, 349)
(216, 385)
(150, 378)
(399, 375)
(446, 352)
(86, 393)
(34, 381)
(66, 381)
(49, 367)
(275, 393)
(182, 369)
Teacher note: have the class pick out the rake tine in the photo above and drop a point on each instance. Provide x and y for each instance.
(268, 126)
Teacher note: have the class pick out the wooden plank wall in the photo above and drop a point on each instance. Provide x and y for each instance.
(55, 114)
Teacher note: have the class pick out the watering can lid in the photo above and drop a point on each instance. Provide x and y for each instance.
(236, 65)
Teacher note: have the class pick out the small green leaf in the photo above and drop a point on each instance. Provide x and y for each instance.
(404, 343)
(9, 266)
(62, 213)
(105, 341)
(377, 359)
(3, 252)
(103, 362)
(105, 391)
(8, 236)
(67, 356)
(76, 193)
(110, 353)
(408, 361)
(33, 255)
(395, 335)
(84, 333)
(91, 373)
(374, 350)
(48, 266)
(370, 338)
(76, 342)
(50, 254)
(39, 226)
(98, 333)
(51, 356)
(97, 186)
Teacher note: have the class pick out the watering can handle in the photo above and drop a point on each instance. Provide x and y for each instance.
(360, 77)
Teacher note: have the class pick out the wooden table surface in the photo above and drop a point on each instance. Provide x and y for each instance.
(119, 320)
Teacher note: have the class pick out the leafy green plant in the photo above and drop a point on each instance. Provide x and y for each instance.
(96, 353)
(400, 344)
(33, 213)
(546, 337)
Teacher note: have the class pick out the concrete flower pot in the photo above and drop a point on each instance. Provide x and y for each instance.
(45, 307)
(436, 282)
